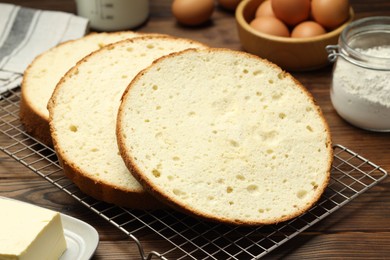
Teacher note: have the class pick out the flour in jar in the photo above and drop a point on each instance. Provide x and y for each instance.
(362, 96)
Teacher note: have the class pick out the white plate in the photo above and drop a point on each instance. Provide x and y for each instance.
(81, 239)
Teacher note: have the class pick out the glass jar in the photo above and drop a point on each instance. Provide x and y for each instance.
(360, 89)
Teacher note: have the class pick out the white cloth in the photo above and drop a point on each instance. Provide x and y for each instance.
(26, 33)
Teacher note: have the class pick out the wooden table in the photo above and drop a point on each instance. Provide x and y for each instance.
(361, 229)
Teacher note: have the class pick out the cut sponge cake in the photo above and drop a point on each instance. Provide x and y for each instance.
(43, 74)
(225, 136)
(83, 112)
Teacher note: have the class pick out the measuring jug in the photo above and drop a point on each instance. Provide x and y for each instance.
(113, 15)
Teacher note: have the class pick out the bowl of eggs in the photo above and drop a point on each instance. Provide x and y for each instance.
(292, 33)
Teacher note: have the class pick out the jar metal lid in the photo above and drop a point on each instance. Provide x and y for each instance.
(363, 34)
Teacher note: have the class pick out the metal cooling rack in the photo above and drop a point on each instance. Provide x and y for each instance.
(189, 238)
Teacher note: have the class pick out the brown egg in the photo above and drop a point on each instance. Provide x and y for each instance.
(307, 29)
(229, 4)
(270, 25)
(192, 12)
(264, 9)
(291, 12)
(330, 13)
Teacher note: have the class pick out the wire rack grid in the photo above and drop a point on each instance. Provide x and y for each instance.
(189, 238)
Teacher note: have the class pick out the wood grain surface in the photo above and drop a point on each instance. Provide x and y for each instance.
(359, 230)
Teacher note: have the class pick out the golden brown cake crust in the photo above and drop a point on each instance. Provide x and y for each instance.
(107, 193)
(34, 123)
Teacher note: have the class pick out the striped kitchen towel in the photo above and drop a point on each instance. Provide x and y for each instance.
(27, 32)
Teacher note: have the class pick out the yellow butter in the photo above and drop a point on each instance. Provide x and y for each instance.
(29, 232)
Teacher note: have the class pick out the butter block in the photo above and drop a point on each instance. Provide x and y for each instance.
(29, 232)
